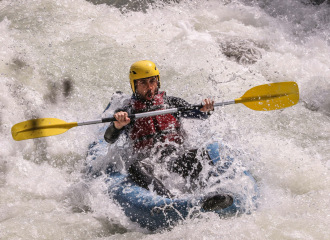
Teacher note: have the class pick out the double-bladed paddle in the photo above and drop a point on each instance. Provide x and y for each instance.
(266, 97)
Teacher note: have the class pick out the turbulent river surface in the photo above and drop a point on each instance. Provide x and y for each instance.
(65, 58)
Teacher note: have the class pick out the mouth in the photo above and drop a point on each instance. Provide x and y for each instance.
(149, 95)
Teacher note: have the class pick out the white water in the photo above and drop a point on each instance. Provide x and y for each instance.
(64, 59)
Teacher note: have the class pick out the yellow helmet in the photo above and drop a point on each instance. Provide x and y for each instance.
(142, 69)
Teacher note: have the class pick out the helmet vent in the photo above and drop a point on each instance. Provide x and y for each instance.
(134, 72)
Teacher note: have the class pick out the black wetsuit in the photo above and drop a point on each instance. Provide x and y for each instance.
(186, 165)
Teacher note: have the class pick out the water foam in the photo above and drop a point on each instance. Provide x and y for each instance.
(65, 58)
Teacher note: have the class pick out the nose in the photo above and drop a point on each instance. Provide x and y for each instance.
(149, 85)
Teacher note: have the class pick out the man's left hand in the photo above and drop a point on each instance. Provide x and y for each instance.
(207, 105)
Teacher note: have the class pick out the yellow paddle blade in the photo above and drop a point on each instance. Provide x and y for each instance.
(42, 127)
(271, 96)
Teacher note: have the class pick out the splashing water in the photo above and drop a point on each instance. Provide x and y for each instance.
(65, 59)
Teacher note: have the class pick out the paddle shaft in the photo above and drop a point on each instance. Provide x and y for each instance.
(182, 109)
(154, 113)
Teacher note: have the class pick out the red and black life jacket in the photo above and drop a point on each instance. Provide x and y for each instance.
(149, 130)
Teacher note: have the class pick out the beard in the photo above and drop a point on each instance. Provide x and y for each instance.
(147, 96)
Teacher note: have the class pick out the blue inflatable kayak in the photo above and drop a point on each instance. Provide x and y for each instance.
(154, 212)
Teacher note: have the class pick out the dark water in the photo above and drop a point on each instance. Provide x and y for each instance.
(129, 5)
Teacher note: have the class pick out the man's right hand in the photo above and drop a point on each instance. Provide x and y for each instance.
(122, 120)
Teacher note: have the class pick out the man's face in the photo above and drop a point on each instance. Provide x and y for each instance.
(147, 88)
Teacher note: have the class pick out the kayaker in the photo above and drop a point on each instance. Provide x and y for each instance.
(162, 134)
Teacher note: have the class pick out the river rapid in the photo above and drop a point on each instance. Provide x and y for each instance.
(65, 59)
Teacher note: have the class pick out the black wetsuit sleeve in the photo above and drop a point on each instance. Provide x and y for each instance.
(175, 102)
(112, 134)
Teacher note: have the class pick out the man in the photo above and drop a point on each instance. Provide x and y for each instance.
(161, 134)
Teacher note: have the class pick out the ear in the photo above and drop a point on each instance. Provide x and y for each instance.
(135, 85)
